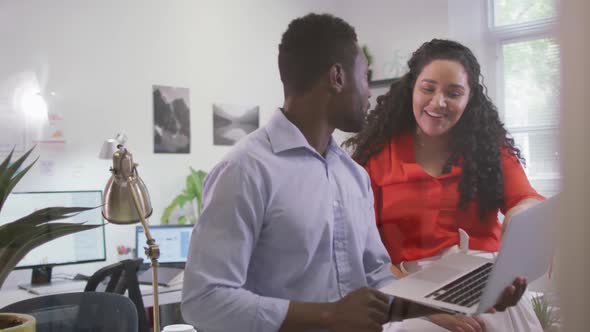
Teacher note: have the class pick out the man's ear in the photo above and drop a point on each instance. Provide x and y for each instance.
(337, 78)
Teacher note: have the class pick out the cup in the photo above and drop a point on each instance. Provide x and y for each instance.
(179, 328)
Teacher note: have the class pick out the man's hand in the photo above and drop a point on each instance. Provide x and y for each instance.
(365, 309)
(511, 295)
(458, 323)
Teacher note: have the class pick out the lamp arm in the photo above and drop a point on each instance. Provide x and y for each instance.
(152, 251)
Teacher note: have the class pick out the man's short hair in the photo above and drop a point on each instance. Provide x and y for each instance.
(310, 46)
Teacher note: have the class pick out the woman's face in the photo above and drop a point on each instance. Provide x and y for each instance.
(440, 96)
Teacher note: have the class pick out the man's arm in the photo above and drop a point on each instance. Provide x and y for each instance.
(364, 309)
(376, 261)
(219, 256)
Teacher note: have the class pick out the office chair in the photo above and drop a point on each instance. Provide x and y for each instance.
(79, 312)
(122, 277)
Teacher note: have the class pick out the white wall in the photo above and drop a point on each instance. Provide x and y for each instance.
(390, 27)
(468, 25)
(101, 59)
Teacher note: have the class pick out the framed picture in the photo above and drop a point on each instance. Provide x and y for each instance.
(385, 66)
(172, 120)
(386, 82)
(232, 122)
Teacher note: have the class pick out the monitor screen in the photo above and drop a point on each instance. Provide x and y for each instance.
(173, 241)
(82, 247)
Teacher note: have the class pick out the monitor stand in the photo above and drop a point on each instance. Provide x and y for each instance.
(40, 278)
(41, 275)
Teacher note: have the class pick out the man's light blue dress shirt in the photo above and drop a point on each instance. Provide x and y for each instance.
(280, 222)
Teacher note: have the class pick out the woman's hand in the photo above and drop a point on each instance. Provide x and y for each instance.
(459, 323)
(510, 296)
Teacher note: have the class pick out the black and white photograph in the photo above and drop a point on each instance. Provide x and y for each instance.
(232, 122)
(172, 125)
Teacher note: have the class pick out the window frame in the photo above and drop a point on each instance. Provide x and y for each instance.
(512, 33)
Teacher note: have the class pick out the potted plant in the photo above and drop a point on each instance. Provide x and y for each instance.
(191, 194)
(10, 322)
(545, 313)
(19, 237)
(369, 57)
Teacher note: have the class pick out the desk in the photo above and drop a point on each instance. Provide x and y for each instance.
(168, 295)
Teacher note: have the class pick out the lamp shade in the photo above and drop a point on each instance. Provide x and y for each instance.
(109, 147)
(124, 184)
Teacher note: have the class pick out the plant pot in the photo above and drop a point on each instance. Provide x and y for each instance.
(10, 322)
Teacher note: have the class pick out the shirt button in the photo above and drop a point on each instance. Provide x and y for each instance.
(336, 203)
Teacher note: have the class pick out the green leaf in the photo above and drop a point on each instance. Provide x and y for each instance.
(179, 201)
(168, 210)
(192, 191)
(198, 178)
(165, 219)
(17, 238)
(544, 312)
(6, 162)
(9, 171)
(11, 252)
(191, 186)
(183, 199)
(12, 183)
(50, 214)
(182, 220)
(7, 178)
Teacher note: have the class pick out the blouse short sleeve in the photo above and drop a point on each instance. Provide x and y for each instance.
(516, 184)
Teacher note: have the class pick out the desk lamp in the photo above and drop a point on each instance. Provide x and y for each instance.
(127, 201)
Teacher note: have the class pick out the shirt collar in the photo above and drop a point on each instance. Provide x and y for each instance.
(284, 135)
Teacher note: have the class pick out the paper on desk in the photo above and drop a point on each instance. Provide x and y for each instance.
(148, 289)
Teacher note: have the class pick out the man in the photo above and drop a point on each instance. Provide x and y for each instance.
(287, 240)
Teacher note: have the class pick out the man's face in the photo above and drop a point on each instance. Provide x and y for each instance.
(348, 111)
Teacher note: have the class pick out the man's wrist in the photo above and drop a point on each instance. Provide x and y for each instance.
(327, 315)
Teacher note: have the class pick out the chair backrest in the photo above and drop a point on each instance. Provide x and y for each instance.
(88, 311)
(122, 277)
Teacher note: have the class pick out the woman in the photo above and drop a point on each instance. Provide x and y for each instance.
(441, 161)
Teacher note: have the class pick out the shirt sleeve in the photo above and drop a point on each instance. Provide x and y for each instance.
(376, 195)
(516, 184)
(376, 260)
(213, 297)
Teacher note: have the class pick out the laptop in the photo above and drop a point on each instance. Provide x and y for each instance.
(466, 284)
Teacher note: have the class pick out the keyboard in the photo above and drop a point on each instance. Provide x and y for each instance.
(57, 287)
(465, 291)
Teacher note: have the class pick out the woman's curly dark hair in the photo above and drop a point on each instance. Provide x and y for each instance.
(476, 140)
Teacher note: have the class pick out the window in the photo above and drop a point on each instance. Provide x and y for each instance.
(509, 12)
(529, 83)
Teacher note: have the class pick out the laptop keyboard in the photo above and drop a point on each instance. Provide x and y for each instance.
(466, 290)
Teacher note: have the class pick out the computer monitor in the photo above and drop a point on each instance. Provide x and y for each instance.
(173, 241)
(81, 247)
